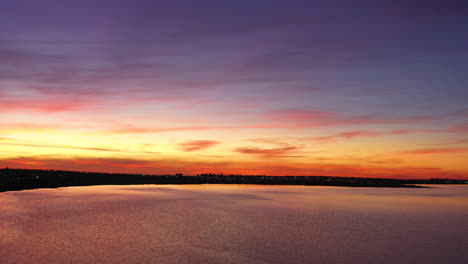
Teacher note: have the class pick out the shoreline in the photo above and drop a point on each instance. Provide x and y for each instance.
(89, 185)
(23, 179)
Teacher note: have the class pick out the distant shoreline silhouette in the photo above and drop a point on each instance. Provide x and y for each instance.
(23, 179)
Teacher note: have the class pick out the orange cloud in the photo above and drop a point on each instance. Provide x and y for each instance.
(271, 152)
(116, 162)
(27, 127)
(77, 147)
(198, 145)
(435, 151)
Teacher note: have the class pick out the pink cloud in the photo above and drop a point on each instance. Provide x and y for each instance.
(198, 145)
(463, 128)
(307, 118)
(131, 129)
(371, 133)
(50, 105)
(348, 135)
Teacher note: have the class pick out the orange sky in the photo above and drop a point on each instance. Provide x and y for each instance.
(290, 88)
(287, 147)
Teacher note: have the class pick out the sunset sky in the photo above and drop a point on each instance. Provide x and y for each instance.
(294, 87)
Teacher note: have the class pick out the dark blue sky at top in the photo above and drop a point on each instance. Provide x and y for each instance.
(364, 56)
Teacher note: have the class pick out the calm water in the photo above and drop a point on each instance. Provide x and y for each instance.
(234, 224)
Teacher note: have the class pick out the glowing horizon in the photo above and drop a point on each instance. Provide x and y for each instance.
(164, 87)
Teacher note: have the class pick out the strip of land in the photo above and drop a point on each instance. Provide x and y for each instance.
(23, 179)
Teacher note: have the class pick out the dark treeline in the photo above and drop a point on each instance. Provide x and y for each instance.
(21, 179)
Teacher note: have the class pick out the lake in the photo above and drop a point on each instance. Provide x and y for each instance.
(235, 224)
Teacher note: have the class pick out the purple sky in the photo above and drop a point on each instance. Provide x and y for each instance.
(227, 72)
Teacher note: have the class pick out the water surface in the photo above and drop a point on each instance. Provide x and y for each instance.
(234, 224)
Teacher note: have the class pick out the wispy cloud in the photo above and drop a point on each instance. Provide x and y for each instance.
(198, 145)
(44, 104)
(27, 127)
(269, 152)
(76, 147)
(347, 135)
(308, 118)
(457, 129)
(429, 151)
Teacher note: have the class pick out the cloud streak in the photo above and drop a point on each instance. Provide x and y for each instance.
(76, 148)
(196, 145)
(435, 151)
(285, 151)
(308, 118)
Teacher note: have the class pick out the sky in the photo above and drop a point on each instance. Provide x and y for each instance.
(266, 87)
